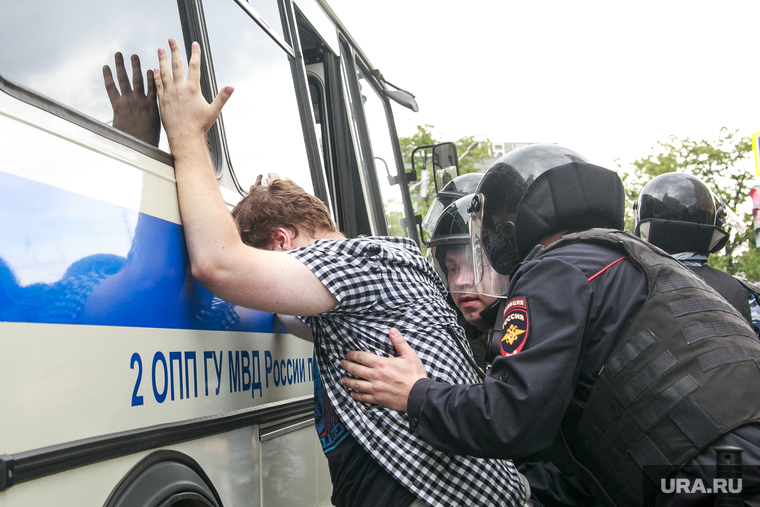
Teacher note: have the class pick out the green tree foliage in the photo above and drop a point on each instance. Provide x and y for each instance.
(469, 152)
(722, 165)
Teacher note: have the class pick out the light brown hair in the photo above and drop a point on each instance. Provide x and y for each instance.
(281, 204)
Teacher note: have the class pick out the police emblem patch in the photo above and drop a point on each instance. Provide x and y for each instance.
(514, 331)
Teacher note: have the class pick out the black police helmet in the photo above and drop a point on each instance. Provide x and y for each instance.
(462, 185)
(452, 227)
(450, 230)
(539, 190)
(457, 188)
(678, 213)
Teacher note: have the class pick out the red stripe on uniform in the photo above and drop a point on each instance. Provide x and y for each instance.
(606, 268)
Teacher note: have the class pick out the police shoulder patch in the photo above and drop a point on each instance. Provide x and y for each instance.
(514, 331)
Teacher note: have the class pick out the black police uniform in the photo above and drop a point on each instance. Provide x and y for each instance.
(568, 308)
(478, 341)
(736, 292)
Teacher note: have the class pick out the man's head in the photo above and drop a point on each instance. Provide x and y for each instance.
(450, 254)
(461, 285)
(678, 213)
(267, 213)
(535, 192)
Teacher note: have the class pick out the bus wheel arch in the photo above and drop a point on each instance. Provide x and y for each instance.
(165, 479)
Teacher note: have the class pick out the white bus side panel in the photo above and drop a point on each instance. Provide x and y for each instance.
(73, 382)
(245, 472)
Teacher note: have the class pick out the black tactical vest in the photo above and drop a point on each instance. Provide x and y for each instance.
(685, 372)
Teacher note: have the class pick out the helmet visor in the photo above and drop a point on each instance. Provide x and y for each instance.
(485, 278)
(454, 264)
(726, 214)
(432, 216)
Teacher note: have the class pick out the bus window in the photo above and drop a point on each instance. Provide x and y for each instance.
(261, 121)
(382, 151)
(59, 48)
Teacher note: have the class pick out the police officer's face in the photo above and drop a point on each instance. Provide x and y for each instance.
(462, 287)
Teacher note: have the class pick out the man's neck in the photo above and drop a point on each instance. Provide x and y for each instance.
(332, 235)
(548, 240)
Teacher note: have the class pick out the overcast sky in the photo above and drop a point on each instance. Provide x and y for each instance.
(605, 78)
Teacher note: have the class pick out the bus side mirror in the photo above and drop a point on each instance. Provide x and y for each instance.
(402, 97)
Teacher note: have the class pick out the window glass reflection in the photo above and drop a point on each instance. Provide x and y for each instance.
(261, 120)
(60, 48)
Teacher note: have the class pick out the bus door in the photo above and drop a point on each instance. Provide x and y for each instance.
(382, 164)
(321, 53)
(355, 126)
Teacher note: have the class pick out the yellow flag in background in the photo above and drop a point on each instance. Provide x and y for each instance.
(756, 151)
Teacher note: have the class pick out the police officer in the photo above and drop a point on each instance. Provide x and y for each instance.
(678, 213)
(448, 250)
(613, 357)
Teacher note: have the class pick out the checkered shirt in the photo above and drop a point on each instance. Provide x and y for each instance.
(380, 283)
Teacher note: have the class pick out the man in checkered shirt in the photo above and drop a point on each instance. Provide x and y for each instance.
(351, 289)
(374, 281)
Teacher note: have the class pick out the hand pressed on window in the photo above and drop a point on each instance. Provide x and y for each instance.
(134, 111)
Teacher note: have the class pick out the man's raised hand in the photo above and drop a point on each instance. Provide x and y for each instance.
(184, 111)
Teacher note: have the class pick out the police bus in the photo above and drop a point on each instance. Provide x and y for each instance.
(125, 382)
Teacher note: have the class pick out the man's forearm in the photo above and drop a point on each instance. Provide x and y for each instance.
(210, 232)
(478, 420)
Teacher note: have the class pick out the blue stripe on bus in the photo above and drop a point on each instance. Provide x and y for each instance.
(70, 259)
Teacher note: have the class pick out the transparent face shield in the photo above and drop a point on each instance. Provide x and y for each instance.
(454, 264)
(485, 278)
(729, 217)
(431, 217)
